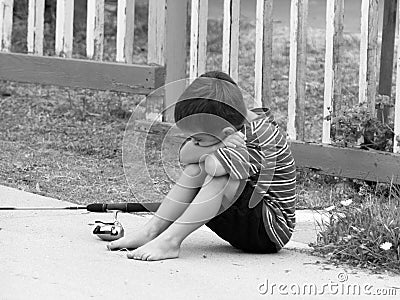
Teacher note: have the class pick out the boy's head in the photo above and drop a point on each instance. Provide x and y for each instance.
(211, 105)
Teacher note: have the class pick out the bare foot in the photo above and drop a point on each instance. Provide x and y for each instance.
(157, 249)
(132, 241)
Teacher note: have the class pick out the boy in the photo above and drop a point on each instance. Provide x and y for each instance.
(239, 177)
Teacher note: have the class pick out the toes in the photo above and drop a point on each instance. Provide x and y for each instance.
(118, 244)
(135, 255)
(146, 256)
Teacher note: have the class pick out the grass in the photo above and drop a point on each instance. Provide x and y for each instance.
(364, 232)
(67, 143)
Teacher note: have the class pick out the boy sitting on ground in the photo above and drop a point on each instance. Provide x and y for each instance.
(239, 177)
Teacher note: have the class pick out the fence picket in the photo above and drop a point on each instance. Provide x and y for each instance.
(368, 53)
(156, 33)
(95, 30)
(130, 31)
(396, 139)
(263, 55)
(297, 84)
(121, 30)
(125, 30)
(230, 38)
(6, 22)
(64, 28)
(387, 48)
(35, 27)
(198, 38)
(175, 51)
(333, 85)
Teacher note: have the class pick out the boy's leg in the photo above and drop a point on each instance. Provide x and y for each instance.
(204, 207)
(174, 204)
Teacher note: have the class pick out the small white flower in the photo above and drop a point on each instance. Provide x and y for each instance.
(332, 207)
(346, 202)
(347, 237)
(386, 246)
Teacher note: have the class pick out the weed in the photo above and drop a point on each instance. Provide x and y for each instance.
(358, 127)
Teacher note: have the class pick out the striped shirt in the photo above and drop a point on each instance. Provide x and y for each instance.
(267, 164)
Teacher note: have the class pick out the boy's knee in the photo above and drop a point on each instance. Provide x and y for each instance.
(213, 167)
(224, 182)
(219, 180)
(193, 170)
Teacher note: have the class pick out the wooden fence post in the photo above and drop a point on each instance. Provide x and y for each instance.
(263, 56)
(95, 30)
(6, 22)
(387, 55)
(297, 69)
(156, 32)
(387, 49)
(156, 52)
(64, 28)
(368, 53)
(198, 38)
(35, 27)
(176, 19)
(230, 38)
(333, 73)
(167, 47)
(125, 30)
(396, 139)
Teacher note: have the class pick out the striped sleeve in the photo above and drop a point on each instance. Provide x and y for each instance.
(240, 162)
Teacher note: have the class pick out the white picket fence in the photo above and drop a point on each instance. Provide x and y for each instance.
(167, 46)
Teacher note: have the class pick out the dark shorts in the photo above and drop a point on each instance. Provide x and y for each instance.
(243, 227)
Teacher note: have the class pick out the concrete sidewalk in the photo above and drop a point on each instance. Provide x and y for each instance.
(53, 255)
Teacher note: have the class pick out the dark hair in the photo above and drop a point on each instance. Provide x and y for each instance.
(212, 94)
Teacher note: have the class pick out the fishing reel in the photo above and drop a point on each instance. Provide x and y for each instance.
(109, 231)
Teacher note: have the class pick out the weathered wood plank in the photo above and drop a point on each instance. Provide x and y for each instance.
(263, 55)
(291, 122)
(125, 30)
(368, 53)
(198, 38)
(347, 162)
(344, 162)
(121, 30)
(230, 38)
(95, 30)
(79, 73)
(387, 48)
(297, 69)
(130, 31)
(64, 28)
(35, 27)
(332, 78)
(6, 23)
(396, 139)
(156, 41)
(156, 32)
(175, 51)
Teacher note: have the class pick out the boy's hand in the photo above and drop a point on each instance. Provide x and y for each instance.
(234, 140)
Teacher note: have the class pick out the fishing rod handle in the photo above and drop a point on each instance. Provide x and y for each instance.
(123, 207)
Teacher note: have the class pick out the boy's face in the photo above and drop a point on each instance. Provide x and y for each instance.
(205, 140)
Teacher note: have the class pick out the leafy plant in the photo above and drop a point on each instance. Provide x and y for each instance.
(357, 127)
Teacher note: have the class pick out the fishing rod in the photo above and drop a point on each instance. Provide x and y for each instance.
(99, 207)
(107, 231)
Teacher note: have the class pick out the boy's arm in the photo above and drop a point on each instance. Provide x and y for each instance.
(191, 153)
(213, 167)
